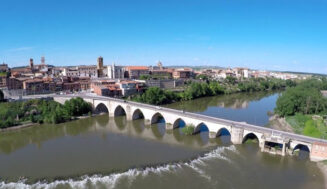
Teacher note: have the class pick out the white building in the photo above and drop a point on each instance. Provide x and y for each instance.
(88, 71)
(81, 71)
(115, 72)
(70, 72)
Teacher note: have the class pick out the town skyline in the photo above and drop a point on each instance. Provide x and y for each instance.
(226, 34)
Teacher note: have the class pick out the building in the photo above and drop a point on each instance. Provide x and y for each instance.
(165, 83)
(16, 83)
(131, 87)
(70, 71)
(4, 67)
(319, 151)
(183, 73)
(134, 72)
(100, 67)
(33, 86)
(115, 72)
(241, 72)
(87, 71)
(81, 71)
(111, 90)
(73, 86)
(31, 65)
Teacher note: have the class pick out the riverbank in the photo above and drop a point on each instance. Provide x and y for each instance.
(18, 127)
(279, 123)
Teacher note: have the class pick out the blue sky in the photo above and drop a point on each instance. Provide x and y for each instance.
(260, 34)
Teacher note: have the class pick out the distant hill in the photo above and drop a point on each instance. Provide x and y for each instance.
(304, 73)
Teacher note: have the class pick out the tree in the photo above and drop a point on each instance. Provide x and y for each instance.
(305, 98)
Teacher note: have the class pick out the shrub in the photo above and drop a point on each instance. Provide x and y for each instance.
(188, 129)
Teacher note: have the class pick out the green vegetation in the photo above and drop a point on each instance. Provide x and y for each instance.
(202, 77)
(3, 74)
(309, 125)
(251, 141)
(304, 107)
(41, 111)
(193, 90)
(156, 96)
(188, 129)
(145, 77)
(306, 98)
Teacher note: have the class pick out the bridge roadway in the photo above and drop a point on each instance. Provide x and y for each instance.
(264, 134)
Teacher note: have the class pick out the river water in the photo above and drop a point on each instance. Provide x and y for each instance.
(103, 152)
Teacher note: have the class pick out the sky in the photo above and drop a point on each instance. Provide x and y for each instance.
(259, 34)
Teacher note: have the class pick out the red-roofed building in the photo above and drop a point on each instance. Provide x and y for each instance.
(135, 72)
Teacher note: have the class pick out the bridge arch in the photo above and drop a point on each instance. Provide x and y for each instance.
(119, 111)
(157, 117)
(223, 132)
(201, 127)
(179, 123)
(250, 136)
(101, 108)
(137, 114)
(301, 147)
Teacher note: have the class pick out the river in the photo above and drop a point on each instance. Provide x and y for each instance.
(103, 152)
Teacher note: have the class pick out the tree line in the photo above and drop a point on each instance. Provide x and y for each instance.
(157, 96)
(41, 111)
(305, 98)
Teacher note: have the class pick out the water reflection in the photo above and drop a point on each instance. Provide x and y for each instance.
(13, 140)
(248, 107)
(138, 125)
(159, 128)
(120, 122)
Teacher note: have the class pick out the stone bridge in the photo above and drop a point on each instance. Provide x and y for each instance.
(270, 140)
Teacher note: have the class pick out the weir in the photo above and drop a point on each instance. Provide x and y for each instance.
(270, 140)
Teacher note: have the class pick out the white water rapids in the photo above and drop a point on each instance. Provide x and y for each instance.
(110, 181)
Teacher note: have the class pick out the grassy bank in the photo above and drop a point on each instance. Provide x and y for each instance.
(309, 125)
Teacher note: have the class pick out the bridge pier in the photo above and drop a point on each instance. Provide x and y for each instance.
(284, 149)
(169, 126)
(147, 122)
(212, 135)
(129, 117)
(262, 145)
(237, 135)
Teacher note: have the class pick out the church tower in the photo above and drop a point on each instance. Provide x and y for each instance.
(31, 63)
(100, 66)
